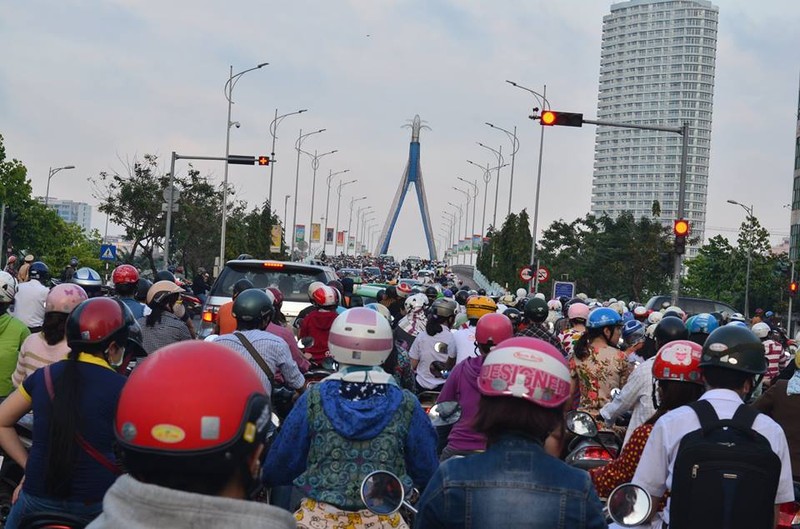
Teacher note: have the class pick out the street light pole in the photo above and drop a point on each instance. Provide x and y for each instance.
(514, 150)
(50, 174)
(297, 145)
(458, 229)
(486, 178)
(350, 224)
(338, 204)
(285, 216)
(500, 164)
(273, 131)
(750, 218)
(466, 218)
(474, 203)
(331, 174)
(361, 210)
(229, 86)
(314, 166)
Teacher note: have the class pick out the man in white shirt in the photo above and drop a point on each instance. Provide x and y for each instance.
(477, 306)
(31, 296)
(732, 359)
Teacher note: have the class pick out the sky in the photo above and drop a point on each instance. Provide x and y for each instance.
(96, 84)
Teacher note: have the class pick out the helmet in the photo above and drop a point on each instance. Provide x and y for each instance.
(736, 348)
(738, 323)
(481, 291)
(160, 291)
(526, 368)
(679, 360)
(627, 316)
(12, 259)
(461, 297)
(277, 297)
(206, 413)
(759, 311)
(447, 293)
(536, 310)
(493, 329)
(125, 274)
(97, 321)
(769, 314)
(8, 287)
(28, 258)
(73, 262)
(669, 330)
(381, 309)
(252, 305)
(416, 302)
(603, 317)
(675, 310)
(360, 336)
(654, 317)
(443, 308)
(87, 278)
(313, 286)
(761, 330)
(39, 271)
(737, 316)
(554, 304)
(514, 315)
(640, 312)
(633, 332)
(578, 311)
(338, 285)
(403, 290)
(325, 296)
(702, 323)
(165, 275)
(431, 293)
(507, 299)
(478, 306)
(142, 287)
(240, 286)
(64, 297)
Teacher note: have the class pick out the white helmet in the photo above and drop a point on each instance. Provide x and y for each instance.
(674, 309)
(539, 295)
(8, 287)
(737, 316)
(416, 302)
(761, 330)
(313, 286)
(554, 304)
(360, 337)
(654, 317)
(522, 293)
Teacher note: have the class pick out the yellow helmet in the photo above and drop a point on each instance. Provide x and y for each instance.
(478, 306)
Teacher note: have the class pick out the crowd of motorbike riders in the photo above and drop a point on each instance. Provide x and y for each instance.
(137, 424)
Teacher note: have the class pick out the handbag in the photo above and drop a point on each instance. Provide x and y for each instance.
(282, 398)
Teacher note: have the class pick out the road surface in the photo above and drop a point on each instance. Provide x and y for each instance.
(464, 273)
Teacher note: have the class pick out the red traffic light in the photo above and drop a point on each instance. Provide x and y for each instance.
(681, 228)
(565, 119)
(263, 160)
(548, 117)
(793, 288)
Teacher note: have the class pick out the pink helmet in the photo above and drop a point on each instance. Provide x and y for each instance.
(526, 368)
(493, 329)
(578, 311)
(360, 336)
(64, 297)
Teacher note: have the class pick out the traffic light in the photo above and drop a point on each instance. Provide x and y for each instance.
(793, 289)
(565, 119)
(263, 160)
(237, 159)
(681, 229)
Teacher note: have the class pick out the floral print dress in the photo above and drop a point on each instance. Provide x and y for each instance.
(604, 369)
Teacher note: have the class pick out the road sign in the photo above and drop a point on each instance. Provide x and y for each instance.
(165, 206)
(542, 274)
(526, 274)
(563, 288)
(108, 252)
(176, 194)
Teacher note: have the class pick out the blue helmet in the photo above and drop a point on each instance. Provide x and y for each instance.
(603, 317)
(769, 314)
(703, 323)
(737, 323)
(633, 332)
(627, 316)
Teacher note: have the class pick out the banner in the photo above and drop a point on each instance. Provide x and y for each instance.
(275, 245)
(351, 241)
(299, 233)
(328, 235)
(476, 242)
(340, 238)
(315, 227)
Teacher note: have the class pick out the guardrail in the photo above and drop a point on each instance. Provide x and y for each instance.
(489, 286)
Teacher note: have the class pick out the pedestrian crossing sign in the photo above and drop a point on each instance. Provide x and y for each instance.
(108, 252)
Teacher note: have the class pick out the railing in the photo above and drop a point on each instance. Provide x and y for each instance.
(483, 282)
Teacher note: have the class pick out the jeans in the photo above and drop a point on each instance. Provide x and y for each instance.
(27, 504)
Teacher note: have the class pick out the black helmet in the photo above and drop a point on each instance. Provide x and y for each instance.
(734, 347)
(135, 346)
(536, 310)
(165, 275)
(481, 291)
(73, 262)
(443, 307)
(252, 305)
(462, 296)
(514, 315)
(240, 286)
(142, 286)
(39, 271)
(670, 329)
(431, 293)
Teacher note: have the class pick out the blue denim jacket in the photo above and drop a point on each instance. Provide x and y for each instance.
(514, 484)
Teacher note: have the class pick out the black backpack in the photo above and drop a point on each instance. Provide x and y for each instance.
(725, 474)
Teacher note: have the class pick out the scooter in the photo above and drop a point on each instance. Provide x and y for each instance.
(384, 494)
(10, 472)
(628, 505)
(590, 448)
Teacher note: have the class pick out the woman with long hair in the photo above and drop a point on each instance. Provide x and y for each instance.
(162, 326)
(71, 462)
(425, 350)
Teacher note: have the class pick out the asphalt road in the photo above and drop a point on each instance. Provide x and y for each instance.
(464, 273)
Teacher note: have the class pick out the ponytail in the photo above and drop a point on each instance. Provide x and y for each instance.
(62, 452)
(434, 325)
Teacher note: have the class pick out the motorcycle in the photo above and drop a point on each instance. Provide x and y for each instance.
(628, 505)
(384, 494)
(10, 472)
(591, 447)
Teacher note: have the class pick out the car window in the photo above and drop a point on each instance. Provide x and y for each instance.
(292, 283)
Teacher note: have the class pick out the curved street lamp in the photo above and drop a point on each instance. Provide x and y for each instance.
(273, 131)
(750, 218)
(50, 174)
(297, 145)
(514, 149)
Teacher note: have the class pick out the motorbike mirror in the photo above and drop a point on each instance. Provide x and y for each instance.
(615, 393)
(445, 413)
(440, 347)
(305, 342)
(211, 337)
(382, 492)
(629, 505)
(581, 423)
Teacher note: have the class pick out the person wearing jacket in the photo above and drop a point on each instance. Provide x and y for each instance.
(317, 324)
(354, 422)
(13, 334)
(192, 443)
(462, 386)
(781, 402)
(524, 384)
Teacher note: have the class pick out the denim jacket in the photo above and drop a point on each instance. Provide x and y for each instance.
(514, 484)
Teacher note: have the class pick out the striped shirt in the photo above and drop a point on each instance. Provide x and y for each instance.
(273, 350)
(773, 351)
(166, 332)
(34, 353)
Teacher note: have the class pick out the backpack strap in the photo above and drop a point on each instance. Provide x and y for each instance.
(257, 357)
(744, 418)
(705, 414)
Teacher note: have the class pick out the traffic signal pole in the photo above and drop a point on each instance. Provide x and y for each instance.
(791, 298)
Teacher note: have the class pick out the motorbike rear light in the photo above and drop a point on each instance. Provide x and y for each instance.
(598, 452)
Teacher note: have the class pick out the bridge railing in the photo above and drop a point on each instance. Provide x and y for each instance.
(489, 286)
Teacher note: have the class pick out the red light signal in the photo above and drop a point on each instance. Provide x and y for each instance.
(263, 160)
(565, 119)
(548, 117)
(681, 228)
(793, 288)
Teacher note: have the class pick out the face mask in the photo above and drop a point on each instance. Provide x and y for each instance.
(118, 363)
(179, 310)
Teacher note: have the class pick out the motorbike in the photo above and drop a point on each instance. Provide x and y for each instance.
(384, 494)
(590, 448)
(628, 505)
(10, 472)
(789, 513)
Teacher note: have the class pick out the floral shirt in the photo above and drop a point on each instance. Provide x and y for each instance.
(604, 369)
(622, 469)
(568, 338)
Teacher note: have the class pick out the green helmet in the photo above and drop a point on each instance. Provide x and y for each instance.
(252, 304)
(536, 310)
(734, 347)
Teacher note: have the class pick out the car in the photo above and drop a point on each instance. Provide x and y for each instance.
(291, 278)
(690, 305)
(373, 272)
(354, 273)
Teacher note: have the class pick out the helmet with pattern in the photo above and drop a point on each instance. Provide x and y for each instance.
(64, 298)
(680, 361)
(360, 336)
(479, 306)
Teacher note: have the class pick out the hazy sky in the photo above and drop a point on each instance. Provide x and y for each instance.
(89, 83)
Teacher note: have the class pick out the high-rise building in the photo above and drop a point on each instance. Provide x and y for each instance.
(656, 68)
(79, 213)
(794, 234)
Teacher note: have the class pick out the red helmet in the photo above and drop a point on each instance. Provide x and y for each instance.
(325, 296)
(210, 409)
(493, 329)
(404, 290)
(97, 321)
(679, 360)
(125, 275)
(277, 297)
